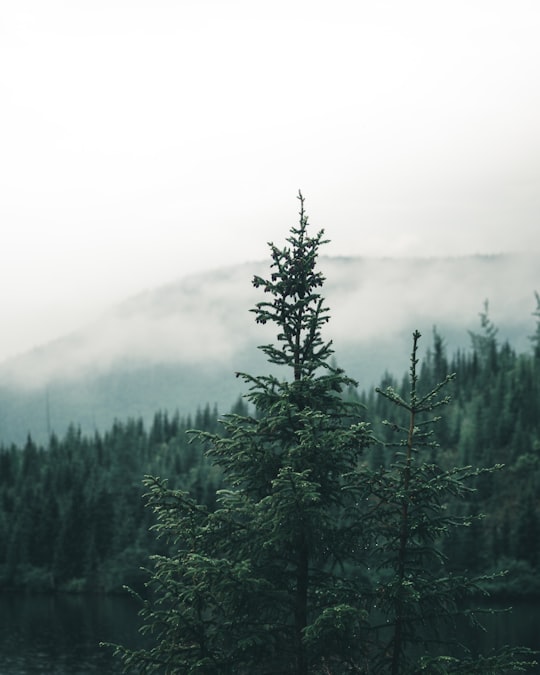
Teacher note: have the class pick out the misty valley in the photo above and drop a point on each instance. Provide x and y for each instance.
(73, 520)
(178, 346)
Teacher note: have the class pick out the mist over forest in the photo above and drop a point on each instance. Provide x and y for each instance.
(86, 418)
(177, 347)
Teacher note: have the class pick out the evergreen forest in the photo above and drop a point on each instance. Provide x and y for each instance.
(294, 524)
(72, 515)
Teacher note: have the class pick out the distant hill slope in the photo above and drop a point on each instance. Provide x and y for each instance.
(178, 346)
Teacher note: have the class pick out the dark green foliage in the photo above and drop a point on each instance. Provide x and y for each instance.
(72, 515)
(269, 582)
(416, 595)
(493, 419)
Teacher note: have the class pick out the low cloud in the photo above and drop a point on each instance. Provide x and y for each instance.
(204, 320)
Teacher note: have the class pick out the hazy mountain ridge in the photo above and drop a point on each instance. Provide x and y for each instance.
(179, 345)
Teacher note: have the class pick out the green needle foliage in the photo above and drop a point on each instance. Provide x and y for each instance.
(312, 561)
(269, 581)
(417, 599)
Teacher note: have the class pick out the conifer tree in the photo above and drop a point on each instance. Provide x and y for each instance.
(417, 598)
(270, 581)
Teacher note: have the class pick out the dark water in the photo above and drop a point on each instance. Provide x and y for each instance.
(521, 627)
(502, 625)
(60, 635)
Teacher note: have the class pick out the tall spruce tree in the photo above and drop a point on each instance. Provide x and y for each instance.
(269, 582)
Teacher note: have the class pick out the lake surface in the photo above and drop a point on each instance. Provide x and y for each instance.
(60, 635)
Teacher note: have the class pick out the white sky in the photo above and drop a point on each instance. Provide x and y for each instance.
(143, 140)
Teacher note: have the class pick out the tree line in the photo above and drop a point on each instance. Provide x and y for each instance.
(72, 517)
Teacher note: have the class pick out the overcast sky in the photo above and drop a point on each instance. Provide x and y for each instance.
(144, 140)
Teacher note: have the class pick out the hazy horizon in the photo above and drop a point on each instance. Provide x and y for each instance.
(178, 346)
(143, 142)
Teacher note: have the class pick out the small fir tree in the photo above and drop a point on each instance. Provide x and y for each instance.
(417, 598)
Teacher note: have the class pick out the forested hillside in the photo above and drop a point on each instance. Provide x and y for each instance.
(72, 517)
(177, 346)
